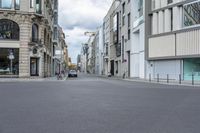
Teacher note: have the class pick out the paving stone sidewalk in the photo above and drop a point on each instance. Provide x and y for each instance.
(30, 79)
(154, 81)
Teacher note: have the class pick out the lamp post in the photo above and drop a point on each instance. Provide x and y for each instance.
(11, 58)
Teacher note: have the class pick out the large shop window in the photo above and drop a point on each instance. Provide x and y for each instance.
(9, 61)
(191, 67)
(191, 14)
(9, 30)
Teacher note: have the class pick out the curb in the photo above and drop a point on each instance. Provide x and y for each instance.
(152, 82)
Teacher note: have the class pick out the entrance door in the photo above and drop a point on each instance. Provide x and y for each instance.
(112, 70)
(34, 67)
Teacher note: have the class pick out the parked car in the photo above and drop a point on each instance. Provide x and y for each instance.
(72, 73)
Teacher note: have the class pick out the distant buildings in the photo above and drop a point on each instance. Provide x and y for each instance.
(146, 39)
(28, 37)
(60, 53)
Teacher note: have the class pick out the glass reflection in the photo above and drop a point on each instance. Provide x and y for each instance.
(7, 4)
(8, 66)
(192, 14)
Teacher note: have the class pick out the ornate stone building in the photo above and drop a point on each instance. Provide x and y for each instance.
(27, 37)
(61, 53)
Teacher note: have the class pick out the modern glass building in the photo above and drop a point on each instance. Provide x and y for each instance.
(174, 43)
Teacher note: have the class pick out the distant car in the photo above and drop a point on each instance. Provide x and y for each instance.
(72, 73)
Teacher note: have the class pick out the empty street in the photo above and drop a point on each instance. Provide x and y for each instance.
(89, 104)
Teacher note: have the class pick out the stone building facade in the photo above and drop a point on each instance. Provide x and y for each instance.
(61, 53)
(26, 37)
(112, 62)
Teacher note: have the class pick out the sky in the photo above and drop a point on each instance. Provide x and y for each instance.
(79, 16)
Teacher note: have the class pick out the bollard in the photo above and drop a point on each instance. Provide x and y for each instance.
(167, 78)
(158, 78)
(192, 79)
(149, 77)
(179, 78)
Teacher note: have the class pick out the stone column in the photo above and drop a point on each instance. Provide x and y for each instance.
(24, 57)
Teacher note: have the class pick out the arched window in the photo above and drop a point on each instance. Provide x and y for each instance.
(35, 33)
(9, 30)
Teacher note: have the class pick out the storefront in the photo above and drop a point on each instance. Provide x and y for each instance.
(191, 67)
(9, 61)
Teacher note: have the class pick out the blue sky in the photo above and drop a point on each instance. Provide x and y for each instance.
(78, 16)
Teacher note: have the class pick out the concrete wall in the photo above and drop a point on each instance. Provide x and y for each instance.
(162, 46)
(137, 53)
(188, 43)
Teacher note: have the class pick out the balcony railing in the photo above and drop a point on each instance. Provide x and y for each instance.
(36, 41)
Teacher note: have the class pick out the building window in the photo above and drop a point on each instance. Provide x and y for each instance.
(35, 33)
(123, 20)
(191, 15)
(9, 30)
(55, 18)
(6, 4)
(171, 11)
(129, 19)
(129, 34)
(118, 50)
(38, 7)
(123, 48)
(17, 4)
(115, 28)
(106, 49)
(169, 1)
(31, 3)
(55, 34)
(56, 4)
(140, 7)
(153, 4)
(123, 8)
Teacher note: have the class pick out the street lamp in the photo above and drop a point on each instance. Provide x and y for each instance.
(11, 58)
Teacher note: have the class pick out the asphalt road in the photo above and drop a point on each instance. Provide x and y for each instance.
(95, 105)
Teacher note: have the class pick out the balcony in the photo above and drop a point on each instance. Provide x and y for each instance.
(36, 41)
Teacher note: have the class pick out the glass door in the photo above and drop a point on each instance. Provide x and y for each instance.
(34, 67)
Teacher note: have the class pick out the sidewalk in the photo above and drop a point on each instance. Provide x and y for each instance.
(154, 81)
(34, 79)
(165, 82)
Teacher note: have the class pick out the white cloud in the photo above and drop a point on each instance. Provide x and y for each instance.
(78, 16)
